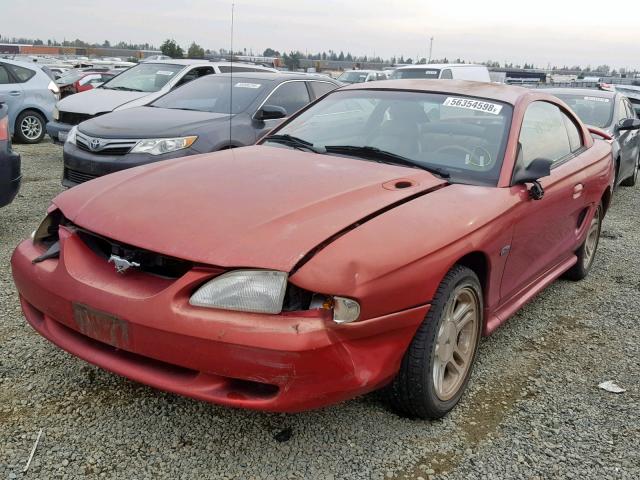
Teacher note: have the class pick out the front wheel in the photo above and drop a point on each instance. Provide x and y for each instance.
(30, 127)
(435, 369)
(587, 251)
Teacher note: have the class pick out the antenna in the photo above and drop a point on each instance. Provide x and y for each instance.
(233, 6)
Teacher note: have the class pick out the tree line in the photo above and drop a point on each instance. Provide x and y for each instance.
(291, 59)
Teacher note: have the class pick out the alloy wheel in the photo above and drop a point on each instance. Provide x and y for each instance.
(591, 242)
(31, 127)
(456, 342)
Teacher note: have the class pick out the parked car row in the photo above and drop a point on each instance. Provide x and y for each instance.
(135, 87)
(431, 71)
(368, 239)
(81, 80)
(213, 113)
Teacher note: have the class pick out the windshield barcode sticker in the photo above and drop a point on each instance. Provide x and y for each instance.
(471, 104)
(597, 99)
(164, 72)
(248, 85)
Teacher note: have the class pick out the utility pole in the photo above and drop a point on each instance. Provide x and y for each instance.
(430, 49)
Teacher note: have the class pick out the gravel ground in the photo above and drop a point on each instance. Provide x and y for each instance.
(533, 409)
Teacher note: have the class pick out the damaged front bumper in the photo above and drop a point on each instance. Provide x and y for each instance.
(141, 326)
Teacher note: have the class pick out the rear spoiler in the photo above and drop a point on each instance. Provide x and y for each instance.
(600, 133)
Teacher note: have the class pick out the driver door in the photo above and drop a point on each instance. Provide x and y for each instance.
(546, 231)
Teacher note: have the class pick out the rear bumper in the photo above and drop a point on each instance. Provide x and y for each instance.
(81, 166)
(287, 362)
(10, 177)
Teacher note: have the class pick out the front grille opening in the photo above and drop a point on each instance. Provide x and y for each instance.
(115, 150)
(72, 118)
(78, 177)
(150, 262)
(246, 388)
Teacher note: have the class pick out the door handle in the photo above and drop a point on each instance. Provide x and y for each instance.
(577, 190)
(15, 93)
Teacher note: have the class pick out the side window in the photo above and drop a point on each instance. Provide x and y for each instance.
(446, 74)
(320, 88)
(291, 96)
(238, 69)
(4, 75)
(622, 111)
(195, 73)
(246, 69)
(22, 74)
(631, 113)
(575, 139)
(543, 134)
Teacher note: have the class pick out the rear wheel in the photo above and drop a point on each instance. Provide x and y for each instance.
(587, 251)
(30, 127)
(436, 367)
(631, 181)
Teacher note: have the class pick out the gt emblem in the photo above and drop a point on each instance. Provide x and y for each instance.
(95, 144)
(122, 264)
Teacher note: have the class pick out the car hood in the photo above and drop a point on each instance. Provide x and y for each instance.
(256, 206)
(97, 100)
(148, 122)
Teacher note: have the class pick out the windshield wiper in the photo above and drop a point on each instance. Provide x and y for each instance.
(374, 153)
(126, 89)
(294, 142)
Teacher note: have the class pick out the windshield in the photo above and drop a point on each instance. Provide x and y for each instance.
(145, 77)
(416, 73)
(592, 110)
(212, 94)
(462, 136)
(353, 76)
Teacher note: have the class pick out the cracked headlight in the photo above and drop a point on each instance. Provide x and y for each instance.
(258, 291)
(158, 146)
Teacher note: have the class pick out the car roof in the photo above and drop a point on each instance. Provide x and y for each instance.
(494, 91)
(438, 65)
(22, 63)
(179, 61)
(278, 76)
(580, 91)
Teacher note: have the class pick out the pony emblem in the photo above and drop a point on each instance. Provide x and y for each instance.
(122, 264)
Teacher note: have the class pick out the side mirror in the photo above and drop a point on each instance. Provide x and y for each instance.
(629, 124)
(270, 112)
(539, 168)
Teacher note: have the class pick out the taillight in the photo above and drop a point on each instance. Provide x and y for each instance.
(53, 88)
(4, 129)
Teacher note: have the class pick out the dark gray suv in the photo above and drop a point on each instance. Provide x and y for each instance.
(209, 114)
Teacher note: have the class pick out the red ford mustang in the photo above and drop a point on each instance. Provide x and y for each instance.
(368, 242)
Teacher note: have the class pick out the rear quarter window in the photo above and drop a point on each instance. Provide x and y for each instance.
(22, 74)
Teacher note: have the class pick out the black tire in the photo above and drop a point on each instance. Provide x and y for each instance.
(30, 127)
(631, 181)
(585, 260)
(412, 393)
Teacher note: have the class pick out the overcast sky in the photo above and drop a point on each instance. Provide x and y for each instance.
(559, 32)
